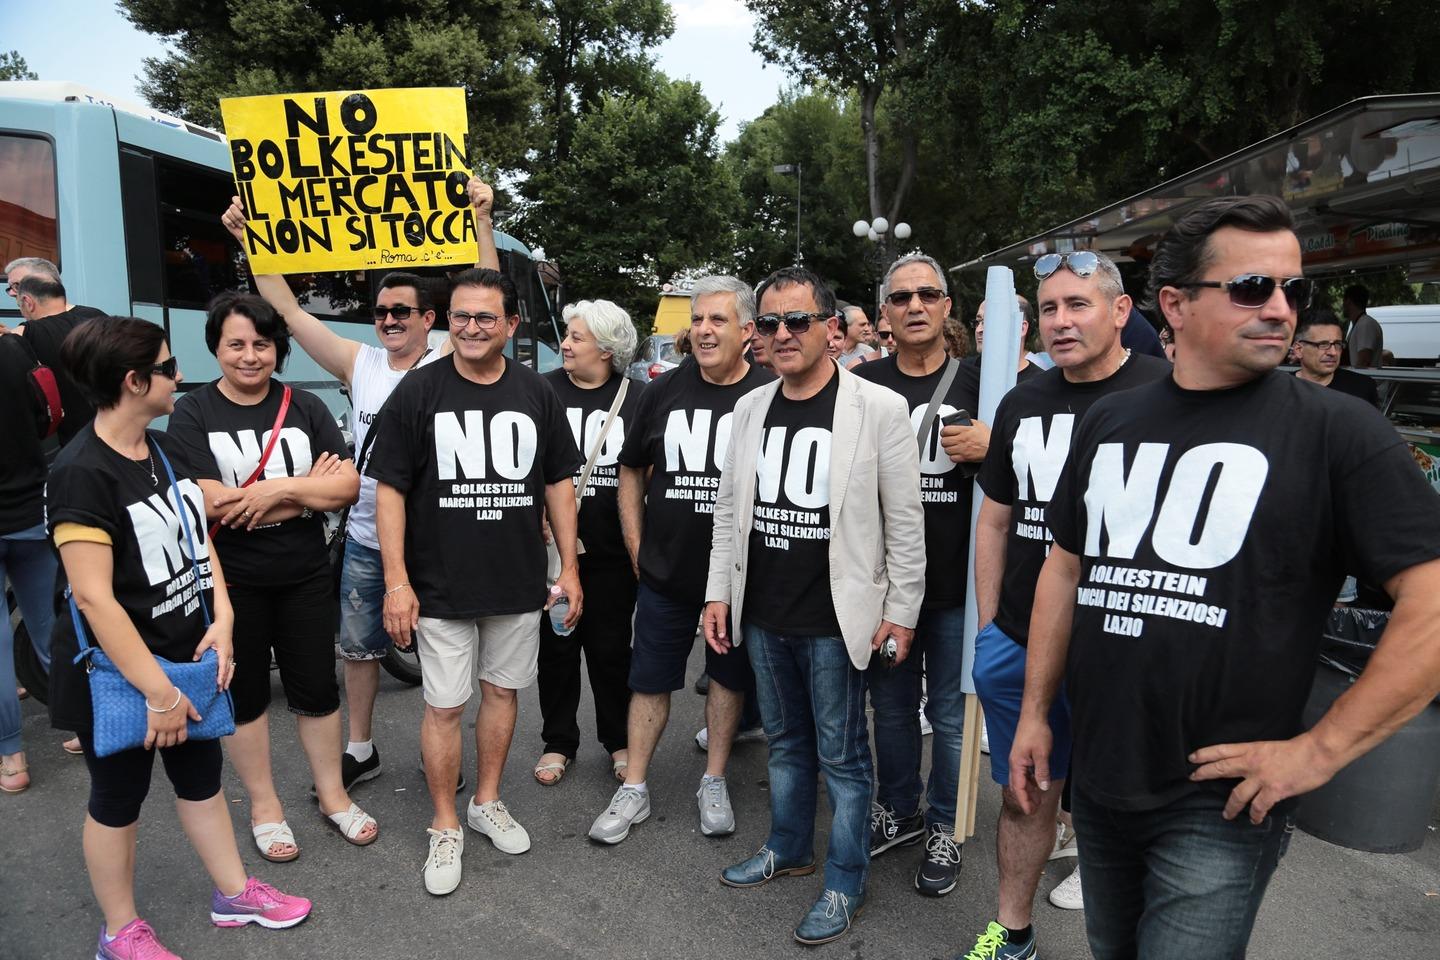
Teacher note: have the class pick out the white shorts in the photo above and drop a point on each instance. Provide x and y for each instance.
(507, 649)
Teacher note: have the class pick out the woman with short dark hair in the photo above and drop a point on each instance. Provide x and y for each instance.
(271, 461)
(119, 525)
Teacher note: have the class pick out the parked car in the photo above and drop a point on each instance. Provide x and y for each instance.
(655, 355)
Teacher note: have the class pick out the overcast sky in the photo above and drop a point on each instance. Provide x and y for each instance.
(711, 45)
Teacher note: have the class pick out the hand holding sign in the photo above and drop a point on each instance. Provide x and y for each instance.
(482, 198)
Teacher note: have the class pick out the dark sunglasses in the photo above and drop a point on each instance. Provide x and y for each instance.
(401, 311)
(928, 296)
(768, 324)
(1253, 290)
(887, 334)
(168, 368)
(1082, 264)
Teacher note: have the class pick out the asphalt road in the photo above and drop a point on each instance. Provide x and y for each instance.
(654, 896)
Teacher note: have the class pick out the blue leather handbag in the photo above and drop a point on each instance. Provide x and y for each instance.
(120, 715)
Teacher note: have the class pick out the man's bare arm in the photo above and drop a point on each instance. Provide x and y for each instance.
(990, 548)
(482, 198)
(632, 511)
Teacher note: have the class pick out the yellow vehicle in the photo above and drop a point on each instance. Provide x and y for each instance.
(673, 312)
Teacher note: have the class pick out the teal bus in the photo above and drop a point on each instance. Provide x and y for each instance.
(127, 202)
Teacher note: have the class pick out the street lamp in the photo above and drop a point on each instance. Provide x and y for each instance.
(795, 168)
(875, 230)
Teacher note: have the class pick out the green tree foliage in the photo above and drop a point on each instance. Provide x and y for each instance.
(14, 67)
(642, 196)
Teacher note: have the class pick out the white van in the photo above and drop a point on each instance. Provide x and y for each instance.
(1412, 331)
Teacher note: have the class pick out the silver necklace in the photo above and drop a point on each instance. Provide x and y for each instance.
(150, 457)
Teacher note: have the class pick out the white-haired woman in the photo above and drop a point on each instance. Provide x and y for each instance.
(599, 344)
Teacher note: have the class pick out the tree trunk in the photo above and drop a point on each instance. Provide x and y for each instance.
(869, 96)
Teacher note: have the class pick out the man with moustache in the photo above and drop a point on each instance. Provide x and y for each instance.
(1202, 525)
(473, 449)
(669, 472)
(1083, 310)
(819, 557)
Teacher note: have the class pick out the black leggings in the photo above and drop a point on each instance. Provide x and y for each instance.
(119, 782)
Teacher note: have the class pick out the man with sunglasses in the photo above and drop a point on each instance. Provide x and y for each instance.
(1083, 311)
(404, 312)
(1202, 526)
(1320, 345)
(473, 453)
(916, 301)
(817, 563)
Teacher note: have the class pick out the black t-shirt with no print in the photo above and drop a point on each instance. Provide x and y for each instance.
(154, 579)
(46, 335)
(473, 461)
(1214, 529)
(945, 491)
(682, 430)
(585, 412)
(22, 469)
(787, 585)
(1356, 385)
(224, 440)
(1028, 448)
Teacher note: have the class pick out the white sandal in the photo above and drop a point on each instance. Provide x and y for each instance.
(352, 822)
(268, 835)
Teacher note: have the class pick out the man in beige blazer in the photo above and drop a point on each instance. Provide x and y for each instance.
(818, 558)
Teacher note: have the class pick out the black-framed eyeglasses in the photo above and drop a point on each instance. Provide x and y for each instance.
(401, 311)
(169, 368)
(1083, 263)
(928, 296)
(13, 290)
(887, 334)
(797, 322)
(459, 319)
(1323, 345)
(1253, 290)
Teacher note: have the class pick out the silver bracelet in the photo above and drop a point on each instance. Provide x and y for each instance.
(172, 706)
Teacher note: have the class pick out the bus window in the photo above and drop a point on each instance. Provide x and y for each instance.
(198, 252)
(27, 199)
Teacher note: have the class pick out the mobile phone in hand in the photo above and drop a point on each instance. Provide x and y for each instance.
(961, 418)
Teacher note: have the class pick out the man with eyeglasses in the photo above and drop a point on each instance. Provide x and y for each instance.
(404, 312)
(817, 564)
(1083, 311)
(669, 472)
(1320, 345)
(1202, 525)
(472, 454)
(915, 297)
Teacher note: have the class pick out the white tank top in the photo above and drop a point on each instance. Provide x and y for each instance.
(371, 384)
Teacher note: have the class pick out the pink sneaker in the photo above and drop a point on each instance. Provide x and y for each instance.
(258, 903)
(135, 941)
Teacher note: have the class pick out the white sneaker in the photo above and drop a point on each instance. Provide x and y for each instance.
(493, 820)
(925, 728)
(442, 865)
(1067, 894)
(984, 738)
(1065, 845)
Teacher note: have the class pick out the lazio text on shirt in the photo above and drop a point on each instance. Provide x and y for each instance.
(504, 444)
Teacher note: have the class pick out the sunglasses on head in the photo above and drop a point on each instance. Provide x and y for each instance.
(401, 311)
(1082, 264)
(797, 322)
(928, 296)
(1254, 290)
(169, 368)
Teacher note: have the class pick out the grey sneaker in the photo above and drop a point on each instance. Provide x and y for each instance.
(753, 735)
(627, 808)
(494, 820)
(717, 817)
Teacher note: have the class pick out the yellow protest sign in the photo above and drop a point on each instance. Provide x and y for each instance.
(353, 180)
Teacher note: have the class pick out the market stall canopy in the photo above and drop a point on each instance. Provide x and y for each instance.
(1363, 181)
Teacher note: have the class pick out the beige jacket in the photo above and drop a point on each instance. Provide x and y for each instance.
(877, 525)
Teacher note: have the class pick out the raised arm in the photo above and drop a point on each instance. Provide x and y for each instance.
(332, 351)
(482, 198)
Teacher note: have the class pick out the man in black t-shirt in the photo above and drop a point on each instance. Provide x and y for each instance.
(1320, 344)
(1083, 311)
(818, 556)
(49, 318)
(1202, 526)
(1027, 368)
(916, 301)
(473, 453)
(679, 436)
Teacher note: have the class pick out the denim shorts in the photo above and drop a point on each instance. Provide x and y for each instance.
(362, 604)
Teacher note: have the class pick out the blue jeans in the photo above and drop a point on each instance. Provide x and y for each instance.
(1177, 883)
(29, 564)
(895, 695)
(812, 704)
(362, 604)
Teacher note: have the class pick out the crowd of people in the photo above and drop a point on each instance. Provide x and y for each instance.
(1158, 541)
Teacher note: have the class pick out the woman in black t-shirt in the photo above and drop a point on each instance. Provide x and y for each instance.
(599, 343)
(268, 524)
(112, 513)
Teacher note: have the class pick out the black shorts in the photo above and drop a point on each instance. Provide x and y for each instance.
(665, 635)
(119, 782)
(297, 622)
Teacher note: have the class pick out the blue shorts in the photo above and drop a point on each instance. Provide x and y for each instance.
(362, 604)
(665, 632)
(999, 674)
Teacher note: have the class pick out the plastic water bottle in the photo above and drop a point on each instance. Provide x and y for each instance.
(559, 610)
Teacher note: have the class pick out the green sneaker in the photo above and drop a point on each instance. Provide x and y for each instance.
(994, 944)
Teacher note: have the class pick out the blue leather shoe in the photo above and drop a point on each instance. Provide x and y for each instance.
(761, 869)
(829, 918)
